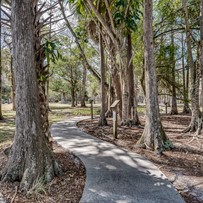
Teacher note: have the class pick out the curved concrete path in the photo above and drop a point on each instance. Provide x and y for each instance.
(114, 175)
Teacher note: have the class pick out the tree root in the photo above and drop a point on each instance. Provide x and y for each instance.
(14, 196)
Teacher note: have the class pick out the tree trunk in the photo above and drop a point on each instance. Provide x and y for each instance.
(13, 94)
(63, 98)
(201, 64)
(83, 94)
(102, 119)
(193, 77)
(186, 108)
(30, 157)
(174, 109)
(1, 115)
(125, 87)
(72, 97)
(153, 136)
(132, 109)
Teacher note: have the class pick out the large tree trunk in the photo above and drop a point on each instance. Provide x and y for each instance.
(193, 77)
(201, 64)
(1, 116)
(102, 119)
(153, 136)
(30, 157)
(174, 108)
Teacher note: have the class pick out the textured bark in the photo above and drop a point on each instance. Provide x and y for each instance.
(153, 136)
(30, 157)
(201, 46)
(1, 116)
(194, 80)
(186, 108)
(117, 85)
(13, 94)
(102, 119)
(125, 89)
(132, 109)
(174, 108)
(73, 95)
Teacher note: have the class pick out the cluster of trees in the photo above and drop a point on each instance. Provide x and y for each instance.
(119, 42)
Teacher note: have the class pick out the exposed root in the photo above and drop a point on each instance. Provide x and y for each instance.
(197, 133)
(14, 196)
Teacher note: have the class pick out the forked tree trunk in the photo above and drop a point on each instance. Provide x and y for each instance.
(174, 108)
(193, 126)
(30, 157)
(153, 136)
(102, 119)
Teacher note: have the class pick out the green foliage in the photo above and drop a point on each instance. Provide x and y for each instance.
(52, 51)
(168, 145)
(126, 16)
(37, 189)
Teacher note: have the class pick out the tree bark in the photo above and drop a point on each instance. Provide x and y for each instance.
(1, 115)
(193, 126)
(201, 47)
(174, 108)
(30, 157)
(73, 97)
(13, 94)
(102, 119)
(186, 108)
(153, 136)
(132, 109)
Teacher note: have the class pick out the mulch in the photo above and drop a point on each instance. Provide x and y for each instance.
(65, 189)
(183, 165)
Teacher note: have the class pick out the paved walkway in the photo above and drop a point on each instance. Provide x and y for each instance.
(114, 175)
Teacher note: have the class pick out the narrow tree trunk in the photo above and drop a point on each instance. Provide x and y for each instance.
(153, 136)
(1, 115)
(174, 109)
(125, 92)
(132, 109)
(102, 119)
(72, 97)
(186, 108)
(13, 96)
(193, 80)
(83, 94)
(30, 157)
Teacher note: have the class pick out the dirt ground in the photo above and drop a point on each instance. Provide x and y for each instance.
(65, 189)
(183, 165)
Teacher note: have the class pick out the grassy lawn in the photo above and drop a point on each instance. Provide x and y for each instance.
(58, 113)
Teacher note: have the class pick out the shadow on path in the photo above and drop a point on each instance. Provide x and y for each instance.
(114, 175)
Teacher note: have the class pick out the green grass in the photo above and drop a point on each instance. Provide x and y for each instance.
(58, 112)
